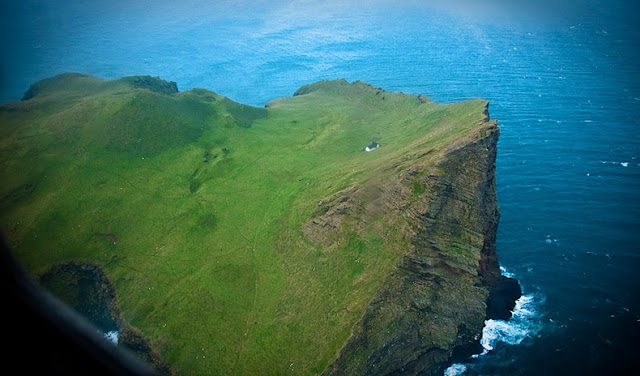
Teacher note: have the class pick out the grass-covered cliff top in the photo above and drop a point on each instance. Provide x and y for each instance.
(240, 240)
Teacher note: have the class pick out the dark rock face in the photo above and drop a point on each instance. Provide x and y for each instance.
(86, 288)
(502, 298)
(433, 307)
(31, 92)
(155, 84)
(135, 341)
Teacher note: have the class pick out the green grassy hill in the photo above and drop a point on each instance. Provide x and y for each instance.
(243, 240)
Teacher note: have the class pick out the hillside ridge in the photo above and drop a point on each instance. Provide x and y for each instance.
(240, 238)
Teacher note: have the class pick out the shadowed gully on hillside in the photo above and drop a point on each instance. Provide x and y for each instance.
(241, 239)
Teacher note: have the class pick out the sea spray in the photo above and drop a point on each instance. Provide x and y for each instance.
(525, 323)
(455, 370)
(514, 331)
(112, 336)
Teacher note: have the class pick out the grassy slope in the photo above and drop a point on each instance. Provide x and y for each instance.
(211, 262)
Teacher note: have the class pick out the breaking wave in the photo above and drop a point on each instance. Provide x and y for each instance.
(112, 336)
(525, 322)
(455, 370)
(506, 273)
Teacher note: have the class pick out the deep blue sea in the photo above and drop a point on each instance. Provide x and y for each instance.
(563, 80)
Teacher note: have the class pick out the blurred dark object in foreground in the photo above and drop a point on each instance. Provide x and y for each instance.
(45, 336)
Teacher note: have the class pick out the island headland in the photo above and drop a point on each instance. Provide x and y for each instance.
(345, 230)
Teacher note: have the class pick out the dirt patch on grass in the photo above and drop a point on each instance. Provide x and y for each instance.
(327, 217)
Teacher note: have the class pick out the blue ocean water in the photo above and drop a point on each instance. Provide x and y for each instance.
(563, 81)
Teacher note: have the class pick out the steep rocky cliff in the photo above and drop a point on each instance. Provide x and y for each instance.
(245, 240)
(435, 302)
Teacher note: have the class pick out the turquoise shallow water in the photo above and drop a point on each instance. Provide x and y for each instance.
(564, 85)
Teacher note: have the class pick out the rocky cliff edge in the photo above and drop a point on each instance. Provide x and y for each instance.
(432, 307)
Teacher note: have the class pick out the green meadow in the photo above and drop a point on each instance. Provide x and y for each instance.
(209, 207)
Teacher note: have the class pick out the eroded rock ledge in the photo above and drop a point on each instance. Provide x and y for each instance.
(434, 304)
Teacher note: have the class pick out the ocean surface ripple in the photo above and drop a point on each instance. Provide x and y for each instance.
(564, 84)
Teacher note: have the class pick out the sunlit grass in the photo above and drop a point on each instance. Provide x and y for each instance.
(208, 199)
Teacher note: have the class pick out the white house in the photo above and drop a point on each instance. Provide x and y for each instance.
(374, 145)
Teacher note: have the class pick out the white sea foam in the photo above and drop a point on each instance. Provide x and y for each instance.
(523, 324)
(455, 370)
(112, 336)
(501, 331)
(623, 164)
(505, 272)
